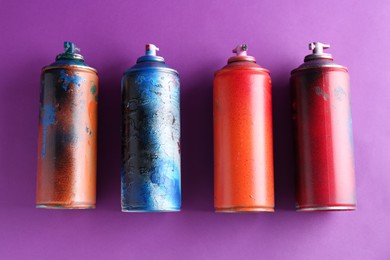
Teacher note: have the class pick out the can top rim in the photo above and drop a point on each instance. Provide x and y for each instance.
(51, 67)
(318, 64)
(247, 65)
(137, 69)
(253, 68)
(241, 58)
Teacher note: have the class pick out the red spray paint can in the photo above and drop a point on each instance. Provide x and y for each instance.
(243, 151)
(323, 133)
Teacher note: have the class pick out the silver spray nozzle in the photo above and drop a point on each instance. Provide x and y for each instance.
(318, 51)
(318, 47)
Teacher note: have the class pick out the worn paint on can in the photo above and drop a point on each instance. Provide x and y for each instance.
(323, 134)
(243, 148)
(67, 135)
(150, 136)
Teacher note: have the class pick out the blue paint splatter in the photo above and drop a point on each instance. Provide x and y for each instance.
(49, 118)
(89, 131)
(93, 90)
(70, 78)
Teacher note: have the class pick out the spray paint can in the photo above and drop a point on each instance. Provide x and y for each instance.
(150, 136)
(243, 148)
(323, 133)
(67, 135)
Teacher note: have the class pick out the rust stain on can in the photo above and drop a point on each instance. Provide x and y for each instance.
(67, 139)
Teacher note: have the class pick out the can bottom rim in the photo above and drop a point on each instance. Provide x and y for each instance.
(330, 208)
(244, 210)
(145, 210)
(65, 206)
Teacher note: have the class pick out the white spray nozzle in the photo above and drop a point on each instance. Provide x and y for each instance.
(151, 49)
(241, 49)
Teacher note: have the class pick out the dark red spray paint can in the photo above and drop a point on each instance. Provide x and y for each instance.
(323, 133)
(243, 151)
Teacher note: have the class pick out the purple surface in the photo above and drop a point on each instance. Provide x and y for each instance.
(196, 38)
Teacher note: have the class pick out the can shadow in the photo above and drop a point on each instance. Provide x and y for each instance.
(283, 142)
(197, 141)
(19, 96)
(109, 137)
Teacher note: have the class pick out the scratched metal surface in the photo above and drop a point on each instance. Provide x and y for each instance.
(151, 141)
(67, 138)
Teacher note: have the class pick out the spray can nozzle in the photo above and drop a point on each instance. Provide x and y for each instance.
(70, 48)
(318, 51)
(318, 47)
(241, 49)
(241, 54)
(150, 54)
(70, 53)
(151, 49)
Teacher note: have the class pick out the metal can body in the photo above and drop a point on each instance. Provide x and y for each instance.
(243, 148)
(323, 136)
(150, 138)
(67, 139)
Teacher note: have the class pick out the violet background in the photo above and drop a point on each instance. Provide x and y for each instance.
(196, 38)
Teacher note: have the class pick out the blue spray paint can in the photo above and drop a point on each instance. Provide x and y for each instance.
(150, 136)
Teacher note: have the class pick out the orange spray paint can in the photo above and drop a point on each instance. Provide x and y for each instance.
(67, 134)
(243, 151)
